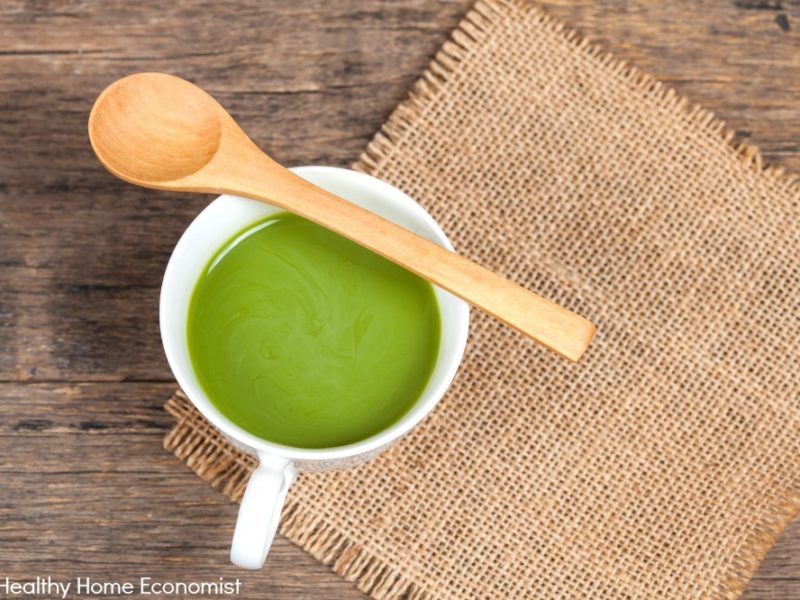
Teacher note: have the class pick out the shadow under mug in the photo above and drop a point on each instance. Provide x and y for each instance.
(266, 490)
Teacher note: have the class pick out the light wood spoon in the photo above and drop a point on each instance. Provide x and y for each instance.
(160, 131)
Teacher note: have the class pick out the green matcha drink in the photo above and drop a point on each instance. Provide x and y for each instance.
(306, 339)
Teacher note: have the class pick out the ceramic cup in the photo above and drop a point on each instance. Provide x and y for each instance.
(266, 490)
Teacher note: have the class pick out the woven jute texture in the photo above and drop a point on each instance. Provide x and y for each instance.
(667, 461)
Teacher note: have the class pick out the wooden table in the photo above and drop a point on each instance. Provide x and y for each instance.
(86, 488)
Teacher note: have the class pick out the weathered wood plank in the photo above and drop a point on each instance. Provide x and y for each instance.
(88, 491)
(308, 80)
(738, 58)
(778, 577)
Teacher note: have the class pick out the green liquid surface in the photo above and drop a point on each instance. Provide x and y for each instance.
(305, 338)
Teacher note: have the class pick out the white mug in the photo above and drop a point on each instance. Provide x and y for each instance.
(266, 490)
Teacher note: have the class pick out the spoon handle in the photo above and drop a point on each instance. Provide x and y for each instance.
(555, 327)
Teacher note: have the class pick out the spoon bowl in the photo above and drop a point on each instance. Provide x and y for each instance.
(160, 131)
(144, 146)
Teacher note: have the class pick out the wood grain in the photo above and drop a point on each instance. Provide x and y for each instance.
(89, 492)
(87, 488)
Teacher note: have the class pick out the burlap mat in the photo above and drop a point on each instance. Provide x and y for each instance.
(665, 463)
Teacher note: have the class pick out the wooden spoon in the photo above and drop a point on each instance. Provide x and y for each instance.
(160, 131)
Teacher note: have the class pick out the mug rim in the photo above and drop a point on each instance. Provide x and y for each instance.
(423, 405)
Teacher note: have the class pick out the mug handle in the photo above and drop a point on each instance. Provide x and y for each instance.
(260, 511)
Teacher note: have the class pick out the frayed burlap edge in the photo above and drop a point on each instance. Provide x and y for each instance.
(477, 24)
(216, 461)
